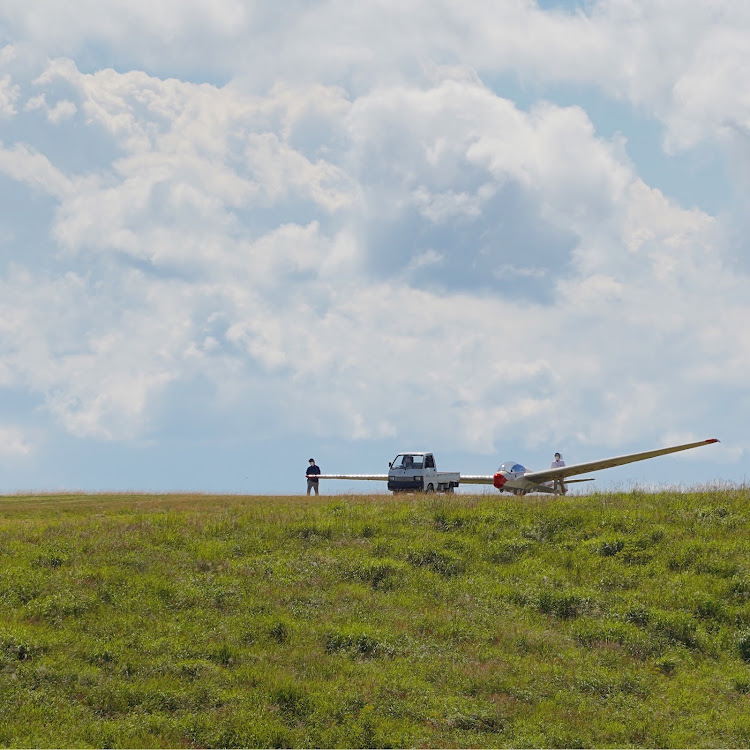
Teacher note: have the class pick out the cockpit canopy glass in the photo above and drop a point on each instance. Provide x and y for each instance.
(512, 467)
(408, 461)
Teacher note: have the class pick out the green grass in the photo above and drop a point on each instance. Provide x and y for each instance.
(603, 620)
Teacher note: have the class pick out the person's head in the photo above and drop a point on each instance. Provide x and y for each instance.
(312, 462)
(557, 456)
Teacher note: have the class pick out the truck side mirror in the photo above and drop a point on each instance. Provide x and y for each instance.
(390, 464)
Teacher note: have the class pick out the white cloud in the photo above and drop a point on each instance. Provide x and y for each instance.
(279, 168)
(375, 239)
(296, 300)
(13, 443)
(26, 165)
(7, 54)
(35, 103)
(687, 68)
(446, 205)
(8, 96)
(194, 152)
(424, 260)
(139, 25)
(93, 363)
(63, 109)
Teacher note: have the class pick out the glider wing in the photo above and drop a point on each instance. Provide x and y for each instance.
(371, 477)
(607, 463)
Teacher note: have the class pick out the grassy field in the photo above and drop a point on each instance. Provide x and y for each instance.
(603, 620)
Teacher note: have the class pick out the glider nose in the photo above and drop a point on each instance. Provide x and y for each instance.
(499, 480)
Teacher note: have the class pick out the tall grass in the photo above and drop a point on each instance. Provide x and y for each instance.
(602, 620)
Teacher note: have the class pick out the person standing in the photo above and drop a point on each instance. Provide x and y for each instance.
(558, 463)
(312, 476)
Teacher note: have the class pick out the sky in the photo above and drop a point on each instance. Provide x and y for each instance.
(235, 235)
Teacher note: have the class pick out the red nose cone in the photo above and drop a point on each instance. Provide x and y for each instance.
(499, 480)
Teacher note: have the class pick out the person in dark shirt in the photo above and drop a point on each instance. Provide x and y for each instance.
(312, 476)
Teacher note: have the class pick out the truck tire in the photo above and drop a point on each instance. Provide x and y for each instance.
(430, 489)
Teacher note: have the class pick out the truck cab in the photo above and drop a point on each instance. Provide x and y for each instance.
(417, 472)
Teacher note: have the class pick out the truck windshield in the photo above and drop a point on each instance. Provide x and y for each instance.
(408, 461)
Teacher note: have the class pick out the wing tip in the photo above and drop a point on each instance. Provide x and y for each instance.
(712, 440)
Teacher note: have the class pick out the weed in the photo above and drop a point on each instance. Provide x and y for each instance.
(60, 605)
(291, 701)
(509, 551)
(593, 632)
(709, 515)
(638, 616)
(666, 665)
(447, 521)
(51, 559)
(562, 604)
(357, 643)
(677, 627)
(17, 649)
(279, 632)
(223, 654)
(312, 532)
(380, 574)
(743, 643)
(610, 547)
(709, 608)
(476, 722)
(439, 562)
(543, 530)
(740, 586)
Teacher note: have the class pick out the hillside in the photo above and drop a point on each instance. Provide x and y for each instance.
(602, 620)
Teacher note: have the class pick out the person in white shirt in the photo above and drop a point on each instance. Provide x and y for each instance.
(556, 464)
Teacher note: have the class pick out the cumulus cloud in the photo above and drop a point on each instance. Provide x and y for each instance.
(641, 51)
(29, 166)
(373, 237)
(13, 443)
(62, 110)
(200, 163)
(8, 97)
(93, 363)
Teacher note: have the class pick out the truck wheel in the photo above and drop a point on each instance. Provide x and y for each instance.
(430, 489)
(449, 489)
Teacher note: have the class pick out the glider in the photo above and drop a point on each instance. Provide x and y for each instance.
(515, 478)
(510, 477)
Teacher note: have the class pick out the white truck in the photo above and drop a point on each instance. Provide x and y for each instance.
(417, 472)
